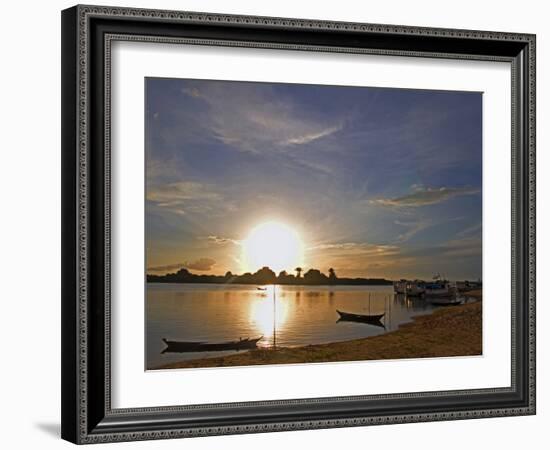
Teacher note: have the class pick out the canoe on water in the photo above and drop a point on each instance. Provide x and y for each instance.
(374, 319)
(181, 346)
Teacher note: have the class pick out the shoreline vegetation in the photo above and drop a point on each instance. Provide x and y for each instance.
(448, 331)
(267, 276)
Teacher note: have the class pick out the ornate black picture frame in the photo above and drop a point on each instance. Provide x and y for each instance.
(87, 34)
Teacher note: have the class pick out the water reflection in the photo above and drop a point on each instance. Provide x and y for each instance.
(285, 316)
(269, 314)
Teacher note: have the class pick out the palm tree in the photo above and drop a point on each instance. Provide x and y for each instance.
(298, 271)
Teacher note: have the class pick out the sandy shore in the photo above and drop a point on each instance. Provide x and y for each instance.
(448, 331)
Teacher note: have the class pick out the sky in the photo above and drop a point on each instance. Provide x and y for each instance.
(377, 182)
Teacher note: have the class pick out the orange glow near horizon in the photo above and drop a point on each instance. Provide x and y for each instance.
(272, 244)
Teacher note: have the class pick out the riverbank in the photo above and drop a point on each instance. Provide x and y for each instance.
(448, 331)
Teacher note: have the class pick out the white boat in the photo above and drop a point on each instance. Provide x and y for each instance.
(439, 288)
(415, 288)
(400, 287)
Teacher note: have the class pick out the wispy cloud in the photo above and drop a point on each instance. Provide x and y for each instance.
(470, 230)
(426, 196)
(363, 248)
(181, 191)
(219, 240)
(261, 121)
(353, 258)
(453, 248)
(201, 265)
(464, 247)
(184, 195)
(304, 139)
(413, 228)
(191, 92)
(157, 169)
(166, 268)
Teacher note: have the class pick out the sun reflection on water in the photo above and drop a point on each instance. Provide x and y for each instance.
(269, 314)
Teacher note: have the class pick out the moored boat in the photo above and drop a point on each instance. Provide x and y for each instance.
(439, 288)
(415, 288)
(181, 346)
(400, 287)
(373, 319)
(446, 303)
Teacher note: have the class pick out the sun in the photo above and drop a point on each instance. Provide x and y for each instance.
(272, 244)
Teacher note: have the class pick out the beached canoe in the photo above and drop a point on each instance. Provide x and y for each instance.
(445, 303)
(181, 346)
(374, 319)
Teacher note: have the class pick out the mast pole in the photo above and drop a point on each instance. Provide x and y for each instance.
(274, 320)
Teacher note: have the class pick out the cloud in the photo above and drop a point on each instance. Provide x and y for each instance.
(180, 191)
(313, 136)
(426, 196)
(166, 268)
(413, 228)
(181, 196)
(454, 248)
(464, 247)
(191, 92)
(357, 248)
(255, 119)
(218, 240)
(354, 258)
(470, 230)
(161, 169)
(201, 265)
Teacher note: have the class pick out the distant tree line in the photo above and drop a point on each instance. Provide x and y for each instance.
(266, 276)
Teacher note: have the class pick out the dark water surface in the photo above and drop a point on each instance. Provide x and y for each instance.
(286, 316)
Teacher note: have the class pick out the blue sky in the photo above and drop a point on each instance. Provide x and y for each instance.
(377, 182)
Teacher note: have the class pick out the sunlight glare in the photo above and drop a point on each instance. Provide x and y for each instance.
(266, 316)
(274, 245)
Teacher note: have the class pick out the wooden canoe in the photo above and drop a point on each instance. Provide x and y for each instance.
(182, 347)
(373, 319)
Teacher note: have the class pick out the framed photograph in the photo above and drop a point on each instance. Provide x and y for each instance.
(279, 224)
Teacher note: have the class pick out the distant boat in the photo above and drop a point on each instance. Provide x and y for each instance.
(181, 346)
(439, 288)
(415, 288)
(373, 319)
(400, 287)
(261, 288)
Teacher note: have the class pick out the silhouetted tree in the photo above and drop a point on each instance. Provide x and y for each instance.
(265, 276)
(183, 275)
(314, 276)
(285, 278)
